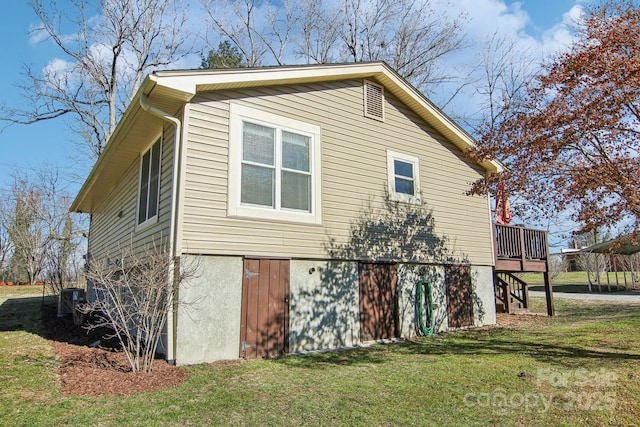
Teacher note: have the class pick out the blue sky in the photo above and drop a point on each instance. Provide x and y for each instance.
(536, 22)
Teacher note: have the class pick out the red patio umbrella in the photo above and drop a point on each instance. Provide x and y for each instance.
(503, 207)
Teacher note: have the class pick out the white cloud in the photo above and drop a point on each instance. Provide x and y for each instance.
(560, 36)
(57, 68)
(487, 16)
(37, 34)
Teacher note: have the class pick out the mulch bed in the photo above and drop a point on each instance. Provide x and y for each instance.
(102, 370)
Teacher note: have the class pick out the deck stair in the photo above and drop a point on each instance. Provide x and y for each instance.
(519, 250)
(512, 293)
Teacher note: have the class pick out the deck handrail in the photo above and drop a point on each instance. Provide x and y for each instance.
(510, 288)
(519, 242)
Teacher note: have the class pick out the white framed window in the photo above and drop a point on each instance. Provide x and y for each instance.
(274, 167)
(149, 183)
(404, 176)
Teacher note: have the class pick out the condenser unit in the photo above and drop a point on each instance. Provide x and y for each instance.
(69, 299)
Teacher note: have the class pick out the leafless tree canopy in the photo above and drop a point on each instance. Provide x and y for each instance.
(5, 248)
(40, 237)
(105, 49)
(408, 34)
(505, 69)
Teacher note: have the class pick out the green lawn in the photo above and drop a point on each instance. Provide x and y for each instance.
(576, 281)
(583, 365)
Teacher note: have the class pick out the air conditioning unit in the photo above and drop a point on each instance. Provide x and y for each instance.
(69, 299)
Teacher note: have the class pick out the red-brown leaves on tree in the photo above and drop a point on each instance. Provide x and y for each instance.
(574, 142)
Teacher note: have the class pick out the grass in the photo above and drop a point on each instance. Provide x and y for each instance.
(577, 282)
(18, 291)
(584, 362)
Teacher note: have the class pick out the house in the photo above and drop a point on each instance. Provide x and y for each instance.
(313, 199)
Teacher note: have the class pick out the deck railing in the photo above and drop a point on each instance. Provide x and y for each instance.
(519, 249)
(519, 242)
(511, 292)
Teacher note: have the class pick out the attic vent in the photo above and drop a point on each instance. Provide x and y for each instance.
(373, 100)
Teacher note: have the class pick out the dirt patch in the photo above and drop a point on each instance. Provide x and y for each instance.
(102, 370)
(509, 320)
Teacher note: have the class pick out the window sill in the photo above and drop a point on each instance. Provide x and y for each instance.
(148, 223)
(271, 215)
(405, 198)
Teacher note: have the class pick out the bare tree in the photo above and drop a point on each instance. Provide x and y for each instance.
(236, 20)
(5, 248)
(558, 266)
(133, 298)
(318, 33)
(595, 265)
(106, 48)
(27, 233)
(43, 233)
(63, 250)
(408, 34)
(63, 227)
(505, 68)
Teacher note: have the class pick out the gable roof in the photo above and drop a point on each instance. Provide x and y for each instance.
(170, 90)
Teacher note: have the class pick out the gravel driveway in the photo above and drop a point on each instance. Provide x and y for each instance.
(631, 296)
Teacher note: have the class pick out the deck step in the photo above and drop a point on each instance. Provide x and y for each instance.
(516, 308)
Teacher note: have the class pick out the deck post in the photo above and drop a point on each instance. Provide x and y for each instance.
(548, 290)
(548, 287)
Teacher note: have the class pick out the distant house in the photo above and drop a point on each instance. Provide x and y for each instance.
(571, 257)
(314, 199)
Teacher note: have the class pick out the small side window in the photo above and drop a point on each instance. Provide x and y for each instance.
(149, 185)
(404, 176)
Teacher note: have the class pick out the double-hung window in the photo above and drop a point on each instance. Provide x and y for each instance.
(404, 176)
(274, 170)
(149, 185)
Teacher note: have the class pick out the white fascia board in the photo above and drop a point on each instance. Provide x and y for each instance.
(190, 81)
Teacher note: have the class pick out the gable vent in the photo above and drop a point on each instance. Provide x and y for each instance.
(373, 100)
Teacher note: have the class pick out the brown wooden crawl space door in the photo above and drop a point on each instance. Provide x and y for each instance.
(378, 301)
(459, 296)
(264, 325)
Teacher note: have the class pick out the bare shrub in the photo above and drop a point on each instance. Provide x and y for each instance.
(133, 296)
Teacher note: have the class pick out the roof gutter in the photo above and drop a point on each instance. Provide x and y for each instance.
(173, 225)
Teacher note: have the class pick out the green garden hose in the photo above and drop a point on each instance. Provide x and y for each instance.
(427, 331)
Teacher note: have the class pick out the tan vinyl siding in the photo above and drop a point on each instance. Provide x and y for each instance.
(108, 233)
(354, 170)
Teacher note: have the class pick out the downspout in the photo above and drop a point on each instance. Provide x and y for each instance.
(173, 224)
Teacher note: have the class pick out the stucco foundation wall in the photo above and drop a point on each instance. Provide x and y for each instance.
(408, 277)
(484, 303)
(324, 305)
(208, 324)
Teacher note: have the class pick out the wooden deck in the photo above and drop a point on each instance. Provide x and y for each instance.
(519, 250)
